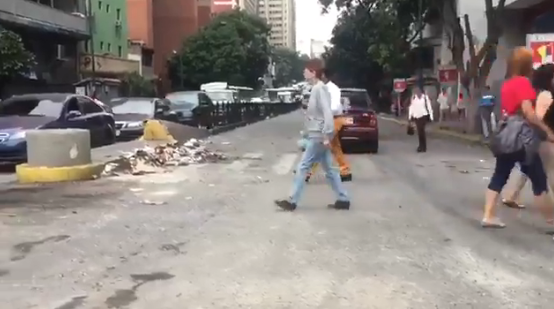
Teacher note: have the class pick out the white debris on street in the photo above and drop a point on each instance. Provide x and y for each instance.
(157, 159)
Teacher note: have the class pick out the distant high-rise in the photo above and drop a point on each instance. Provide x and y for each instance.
(249, 6)
(281, 16)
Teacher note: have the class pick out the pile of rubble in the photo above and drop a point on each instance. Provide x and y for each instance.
(157, 159)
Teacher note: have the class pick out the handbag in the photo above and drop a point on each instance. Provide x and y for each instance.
(410, 130)
(514, 134)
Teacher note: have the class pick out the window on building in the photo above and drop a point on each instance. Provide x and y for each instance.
(107, 8)
(118, 14)
(99, 5)
(109, 47)
(119, 51)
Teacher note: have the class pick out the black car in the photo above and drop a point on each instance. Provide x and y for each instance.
(131, 113)
(50, 111)
(193, 108)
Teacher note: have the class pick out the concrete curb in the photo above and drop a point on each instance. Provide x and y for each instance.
(439, 131)
(29, 174)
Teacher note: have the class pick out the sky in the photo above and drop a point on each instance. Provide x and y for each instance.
(310, 24)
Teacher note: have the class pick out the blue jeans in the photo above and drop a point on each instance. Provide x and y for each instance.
(316, 152)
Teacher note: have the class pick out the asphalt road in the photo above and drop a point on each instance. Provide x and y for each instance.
(209, 236)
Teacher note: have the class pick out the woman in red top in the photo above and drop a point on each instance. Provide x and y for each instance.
(518, 96)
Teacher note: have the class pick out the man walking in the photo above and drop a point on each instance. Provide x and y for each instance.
(486, 110)
(338, 117)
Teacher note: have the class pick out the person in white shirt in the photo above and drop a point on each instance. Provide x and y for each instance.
(338, 114)
(420, 112)
(444, 107)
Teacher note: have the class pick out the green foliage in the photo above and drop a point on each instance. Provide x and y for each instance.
(134, 85)
(289, 66)
(373, 37)
(232, 48)
(14, 58)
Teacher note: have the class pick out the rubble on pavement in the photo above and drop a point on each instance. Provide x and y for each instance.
(159, 158)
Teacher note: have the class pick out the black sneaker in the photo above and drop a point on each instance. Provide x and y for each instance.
(340, 205)
(345, 178)
(308, 178)
(285, 205)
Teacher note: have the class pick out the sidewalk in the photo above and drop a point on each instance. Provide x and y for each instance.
(455, 129)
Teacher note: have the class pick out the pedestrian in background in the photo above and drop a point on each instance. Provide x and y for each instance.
(461, 107)
(486, 111)
(319, 128)
(517, 97)
(543, 81)
(444, 106)
(420, 112)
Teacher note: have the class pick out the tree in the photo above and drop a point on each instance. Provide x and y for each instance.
(135, 85)
(14, 58)
(232, 48)
(289, 66)
(461, 41)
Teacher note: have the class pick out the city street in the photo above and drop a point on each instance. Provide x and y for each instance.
(209, 236)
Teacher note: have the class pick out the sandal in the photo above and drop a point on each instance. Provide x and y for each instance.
(513, 204)
(493, 223)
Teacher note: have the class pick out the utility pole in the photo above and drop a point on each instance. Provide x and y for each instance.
(90, 25)
(420, 62)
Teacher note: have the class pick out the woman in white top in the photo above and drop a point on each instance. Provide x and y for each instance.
(420, 112)
(443, 105)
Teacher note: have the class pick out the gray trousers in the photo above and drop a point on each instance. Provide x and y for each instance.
(485, 113)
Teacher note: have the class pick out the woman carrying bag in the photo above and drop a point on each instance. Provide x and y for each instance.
(517, 139)
(420, 112)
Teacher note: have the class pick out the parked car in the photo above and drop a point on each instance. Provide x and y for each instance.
(361, 127)
(193, 108)
(131, 113)
(50, 111)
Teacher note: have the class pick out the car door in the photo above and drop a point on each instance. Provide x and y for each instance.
(93, 114)
(72, 115)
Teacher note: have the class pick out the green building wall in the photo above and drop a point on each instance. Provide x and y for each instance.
(108, 37)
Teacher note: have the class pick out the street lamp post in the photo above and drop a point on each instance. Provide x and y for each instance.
(181, 79)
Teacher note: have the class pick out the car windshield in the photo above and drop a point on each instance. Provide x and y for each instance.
(356, 98)
(132, 106)
(50, 107)
(221, 95)
(183, 100)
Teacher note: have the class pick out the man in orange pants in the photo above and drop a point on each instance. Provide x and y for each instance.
(336, 147)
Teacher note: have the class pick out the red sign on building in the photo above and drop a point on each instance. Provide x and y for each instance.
(399, 85)
(448, 75)
(542, 46)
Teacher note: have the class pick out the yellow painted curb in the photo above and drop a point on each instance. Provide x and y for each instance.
(28, 174)
(154, 130)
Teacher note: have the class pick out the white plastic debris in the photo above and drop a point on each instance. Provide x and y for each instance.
(148, 160)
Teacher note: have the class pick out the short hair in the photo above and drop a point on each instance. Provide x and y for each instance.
(520, 62)
(542, 77)
(316, 66)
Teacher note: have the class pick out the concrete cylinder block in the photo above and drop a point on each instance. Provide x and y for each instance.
(58, 147)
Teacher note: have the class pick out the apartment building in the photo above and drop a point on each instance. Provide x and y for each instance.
(281, 16)
(106, 54)
(249, 6)
(52, 30)
(141, 35)
(522, 18)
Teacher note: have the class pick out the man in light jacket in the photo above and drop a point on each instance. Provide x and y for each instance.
(320, 131)
(339, 120)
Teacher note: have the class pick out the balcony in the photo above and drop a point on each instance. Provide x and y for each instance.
(108, 65)
(47, 18)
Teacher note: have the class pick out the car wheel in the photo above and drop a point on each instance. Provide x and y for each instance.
(373, 146)
(109, 136)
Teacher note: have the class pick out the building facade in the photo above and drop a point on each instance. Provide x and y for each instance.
(522, 17)
(173, 21)
(141, 35)
(249, 6)
(204, 13)
(281, 17)
(52, 30)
